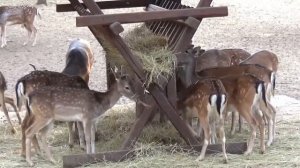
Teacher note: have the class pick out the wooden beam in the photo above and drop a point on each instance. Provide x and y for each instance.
(232, 148)
(71, 161)
(138, 127)
(151, 16)
(171, 113)
(106, 5)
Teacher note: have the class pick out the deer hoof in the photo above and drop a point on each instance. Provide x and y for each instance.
(30, 163)
(225, 161)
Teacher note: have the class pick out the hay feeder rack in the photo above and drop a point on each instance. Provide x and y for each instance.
(168, 18)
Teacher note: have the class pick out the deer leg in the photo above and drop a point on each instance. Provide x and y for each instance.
(81, 135)
(87, 127)
(240, 123)
(3, 35)
(259, 118)
(234, 114)
(11, 102)
(34, 35)
(205, 125)
(45, 146)
(93, 131)
(71, 134)
(246, 114)
(29, 33)
(2, 103)
(35, 127)
(222, 138)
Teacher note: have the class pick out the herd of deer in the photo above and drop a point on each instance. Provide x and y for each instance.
(228, 80)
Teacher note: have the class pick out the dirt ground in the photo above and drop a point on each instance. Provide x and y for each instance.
(252, 25)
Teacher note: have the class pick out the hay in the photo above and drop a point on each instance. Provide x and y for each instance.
(157, 60)
(153, 145)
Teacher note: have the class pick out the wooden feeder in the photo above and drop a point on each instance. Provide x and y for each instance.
(168, 18)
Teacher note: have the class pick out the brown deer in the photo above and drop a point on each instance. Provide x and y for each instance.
(24, 15)
(79, 59)
(36, 79)
(79, 62)
(220, 58)
(207, 98)
(264, 58)
(261, 73)
(245, 94)
(4, 99)
(48, 104)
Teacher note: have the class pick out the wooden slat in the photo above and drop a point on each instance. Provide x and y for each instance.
(71, 161)
(232, 148)
(137, 129)
(151, 16)
(106, 5)
(171, 113)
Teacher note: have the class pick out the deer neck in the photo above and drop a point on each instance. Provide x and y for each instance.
(109, 98)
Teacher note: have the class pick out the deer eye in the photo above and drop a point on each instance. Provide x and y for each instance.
(126, 87)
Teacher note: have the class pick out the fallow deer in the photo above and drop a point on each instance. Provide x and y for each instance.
(79, 62)
(207, 98)
(79, 59)
(264, 58)
(261, 73)
(220, 58)
(24, 15)
(48, 104)
(36, 79)
(4, 99)
(245, 94)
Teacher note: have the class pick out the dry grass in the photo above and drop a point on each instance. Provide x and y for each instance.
(115, 125)
(157, 60)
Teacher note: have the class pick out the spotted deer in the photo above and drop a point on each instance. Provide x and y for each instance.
(266, 59)
(48, 104)
(245, 94)
(261, 73)
(79, 62)
(220, 58)
(36, 79)
(24, 15)
(4, 99)
(207, 99)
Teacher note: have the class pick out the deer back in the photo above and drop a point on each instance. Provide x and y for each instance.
(79, 59)
(202, 93)
(17, 14)
(264, 58)
(212, 58)
(236, 55)
(243, 88)
(259, 71)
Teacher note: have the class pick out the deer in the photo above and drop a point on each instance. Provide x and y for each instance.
(24, 15)
(261, 73)
(4, 99)
(220, 58)
(207, 98)
(79, 62)
(266, 59)
(30, 82)
(79, 59)
(48, 104)
(245, 94)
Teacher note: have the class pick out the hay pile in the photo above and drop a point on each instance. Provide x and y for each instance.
(157, 60)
